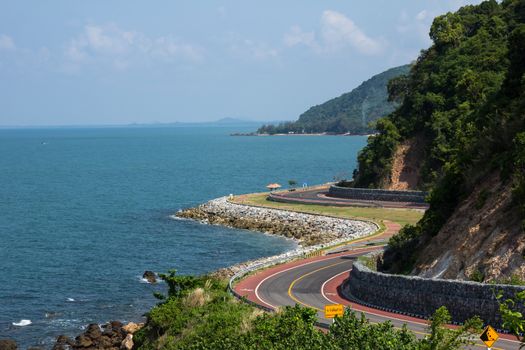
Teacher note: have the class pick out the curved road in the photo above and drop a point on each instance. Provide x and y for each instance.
(314, 282)
(319, 195)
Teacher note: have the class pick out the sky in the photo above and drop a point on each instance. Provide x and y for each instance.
(96, 62)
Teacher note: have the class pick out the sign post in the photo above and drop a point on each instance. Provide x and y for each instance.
(489, 336)
(333, 310)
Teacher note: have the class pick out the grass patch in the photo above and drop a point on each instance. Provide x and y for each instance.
(368, 261)
(401, 216)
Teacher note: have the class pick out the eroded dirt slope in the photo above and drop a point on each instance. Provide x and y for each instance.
(406, 165)
(483, 238)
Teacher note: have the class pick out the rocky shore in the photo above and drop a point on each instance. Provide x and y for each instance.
(112, 336)
(312, 232)
(307, 229)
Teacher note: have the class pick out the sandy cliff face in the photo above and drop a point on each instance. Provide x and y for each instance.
(406, 165)
(484, 237)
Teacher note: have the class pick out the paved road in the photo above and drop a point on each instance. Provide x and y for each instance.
(318, 195)
(314, 283)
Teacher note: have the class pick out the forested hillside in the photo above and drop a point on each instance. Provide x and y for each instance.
(349, 113)
(464, 102)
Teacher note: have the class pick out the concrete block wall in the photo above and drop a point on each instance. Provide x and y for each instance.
(422, 296)
(377, 194)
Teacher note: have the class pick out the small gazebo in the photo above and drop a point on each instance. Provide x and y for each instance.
(273, 186)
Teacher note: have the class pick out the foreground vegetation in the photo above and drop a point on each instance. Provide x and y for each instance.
(401, 216)
(465, 99)
(349, 113)
(199, 313)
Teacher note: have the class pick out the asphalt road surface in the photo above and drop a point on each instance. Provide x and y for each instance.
(314, 282)
(319, 195)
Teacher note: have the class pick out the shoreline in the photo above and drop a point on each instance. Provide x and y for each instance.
(303, 134)
(312, 232)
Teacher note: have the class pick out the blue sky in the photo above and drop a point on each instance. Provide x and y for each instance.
(118, 62)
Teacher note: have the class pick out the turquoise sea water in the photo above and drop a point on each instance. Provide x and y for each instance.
(83, 212)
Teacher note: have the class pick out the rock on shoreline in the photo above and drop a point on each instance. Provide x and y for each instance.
(113, 335)
(311, 231)
(307, 229)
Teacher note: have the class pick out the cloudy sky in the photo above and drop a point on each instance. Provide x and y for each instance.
(68, 62)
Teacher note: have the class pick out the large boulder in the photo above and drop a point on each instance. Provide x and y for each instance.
(127, 343)
(150, 276)
(63, 342)
(106, 337)
(83, 341)
(93, 331)
(132, 327)
(8, 344)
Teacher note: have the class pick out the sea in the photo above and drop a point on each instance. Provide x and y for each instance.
(85, 211)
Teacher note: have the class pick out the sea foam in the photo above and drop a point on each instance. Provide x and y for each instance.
(22, 323)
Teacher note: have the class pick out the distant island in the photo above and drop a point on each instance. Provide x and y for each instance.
(351, 113)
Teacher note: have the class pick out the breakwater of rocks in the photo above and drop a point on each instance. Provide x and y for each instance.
(312, 232)
(307, 229)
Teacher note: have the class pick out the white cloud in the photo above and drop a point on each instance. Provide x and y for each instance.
(339, 30)
(296, 36)
(6, 43)
(421, 16)
(336, 33)
(109, 43)
(248, 48)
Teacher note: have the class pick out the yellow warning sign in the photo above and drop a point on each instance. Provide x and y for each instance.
(489, 336)
(330, 311)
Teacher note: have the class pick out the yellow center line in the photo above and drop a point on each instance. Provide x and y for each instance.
(290, 294)
(294, 298)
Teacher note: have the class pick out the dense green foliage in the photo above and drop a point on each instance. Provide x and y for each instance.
(198, 313)
(351, 112)
(465, 99)
(513, 319)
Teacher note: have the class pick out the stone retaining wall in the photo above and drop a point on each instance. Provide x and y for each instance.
(377, 194)
(422, 296)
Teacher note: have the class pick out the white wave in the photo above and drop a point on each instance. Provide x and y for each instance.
(66, 322)
(175, 217)
(22, 323)
(70, 299)
(143, 280)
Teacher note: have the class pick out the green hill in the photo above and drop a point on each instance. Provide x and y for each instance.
(349, 113)
(464, 104)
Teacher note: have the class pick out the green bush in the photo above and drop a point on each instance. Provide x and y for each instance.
(202, 315)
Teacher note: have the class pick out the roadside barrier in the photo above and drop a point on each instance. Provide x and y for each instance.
(316, 253)
(256, 267)
(377, 194)
(420, 297)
